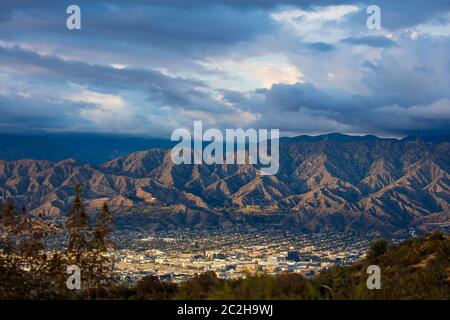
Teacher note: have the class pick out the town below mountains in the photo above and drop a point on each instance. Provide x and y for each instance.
(357, 183)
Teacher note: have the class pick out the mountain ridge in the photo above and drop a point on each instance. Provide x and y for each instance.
(98, 148)
(356, 183)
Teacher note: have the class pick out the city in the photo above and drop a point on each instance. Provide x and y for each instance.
(177, 256)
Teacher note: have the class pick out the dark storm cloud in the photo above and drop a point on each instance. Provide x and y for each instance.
(321, 46)
(231, 20)
(392, 108)
(371, 41)
(161, 89)
(140, 22)
(18, 112)
(139, 33)
(406, 85)
(297, 105)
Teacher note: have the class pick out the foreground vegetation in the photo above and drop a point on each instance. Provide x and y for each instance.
(416, 269)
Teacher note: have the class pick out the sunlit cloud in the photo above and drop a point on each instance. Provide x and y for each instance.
(109, 111)
(255, 72)
(434, 28)
(319, 24)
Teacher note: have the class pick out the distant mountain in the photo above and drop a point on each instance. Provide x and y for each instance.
(335, 137)
(338, 181)
(89, 148)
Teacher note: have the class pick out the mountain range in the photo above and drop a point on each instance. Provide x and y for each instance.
(362, 183)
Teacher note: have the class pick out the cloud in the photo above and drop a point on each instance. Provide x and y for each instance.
(371, 41)
(321, 46)
(256, 72)
(110, 111)
(151, 66)
(310, 24)
(158, 33)
(439, 27)
(438, 110)
(20, 113)
(100, 89)
(305, 106)
(160, 88)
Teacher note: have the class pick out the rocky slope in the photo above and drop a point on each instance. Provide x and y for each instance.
(364, 183)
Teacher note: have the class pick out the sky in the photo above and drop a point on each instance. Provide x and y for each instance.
(148, 67)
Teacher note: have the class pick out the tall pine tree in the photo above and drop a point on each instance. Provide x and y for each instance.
(78, 229)
(100, 250)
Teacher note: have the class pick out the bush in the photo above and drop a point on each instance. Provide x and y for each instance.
(150, 287)
(377, 248)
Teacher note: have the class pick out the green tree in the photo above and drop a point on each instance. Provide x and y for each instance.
(102, 230)
(79, 234)
(100, 250)
(77, 227)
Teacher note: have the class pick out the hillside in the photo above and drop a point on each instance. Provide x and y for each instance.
(361, 183)
(418, 268)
